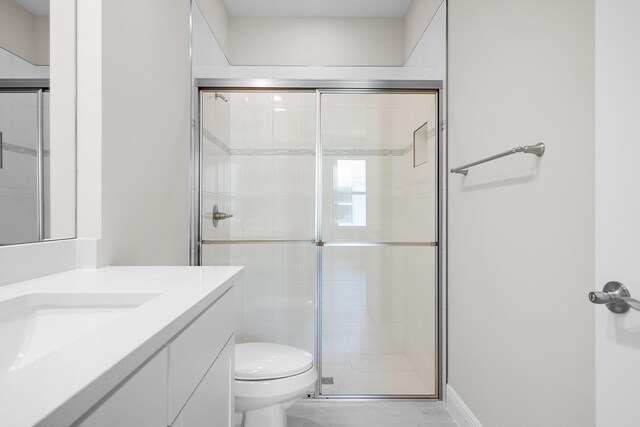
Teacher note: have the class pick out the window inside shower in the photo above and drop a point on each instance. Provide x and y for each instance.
(336, 228)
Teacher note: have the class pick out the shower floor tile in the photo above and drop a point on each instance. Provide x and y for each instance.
(372, 374)
(310, 413)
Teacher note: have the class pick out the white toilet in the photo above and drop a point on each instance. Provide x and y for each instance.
(269, 379)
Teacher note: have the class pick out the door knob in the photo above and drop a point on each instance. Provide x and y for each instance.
(616, 296)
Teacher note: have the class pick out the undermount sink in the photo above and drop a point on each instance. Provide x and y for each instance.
(34, 325)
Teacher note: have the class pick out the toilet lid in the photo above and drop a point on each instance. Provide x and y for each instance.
(266, 361)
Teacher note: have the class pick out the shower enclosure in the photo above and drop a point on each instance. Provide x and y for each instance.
(329, 195)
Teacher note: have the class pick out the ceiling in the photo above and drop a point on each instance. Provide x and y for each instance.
(37, 7)
(317, 8)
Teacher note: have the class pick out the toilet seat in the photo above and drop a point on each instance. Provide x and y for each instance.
(267, 361)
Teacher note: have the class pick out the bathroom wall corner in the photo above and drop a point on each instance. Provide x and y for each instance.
(459, 410)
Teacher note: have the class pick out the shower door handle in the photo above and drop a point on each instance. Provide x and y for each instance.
(1, 152)
(616, 296)
(217, 215)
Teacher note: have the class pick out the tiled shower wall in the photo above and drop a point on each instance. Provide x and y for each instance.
(259, 165)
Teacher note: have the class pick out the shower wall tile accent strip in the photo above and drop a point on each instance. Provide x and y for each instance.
(366, 152)
(32, 152)
(273, 152)
(211, 137)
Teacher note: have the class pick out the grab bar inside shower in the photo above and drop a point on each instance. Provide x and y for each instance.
(537, 149)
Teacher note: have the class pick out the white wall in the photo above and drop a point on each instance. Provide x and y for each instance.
(14, 67)
(417, 20)
(217, 19)
(145, 132)
(427, 60)
(322, 41)
(89, 87)
(521, 233)
(62, 138)
(23, 33)
(617, 208)
(207, 54)
(316, 41)
(430, 51)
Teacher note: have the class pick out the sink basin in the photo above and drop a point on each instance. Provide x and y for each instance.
(34, 325)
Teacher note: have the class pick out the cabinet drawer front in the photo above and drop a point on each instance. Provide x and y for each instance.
(140, 401)
(193, 351)
(212, 404)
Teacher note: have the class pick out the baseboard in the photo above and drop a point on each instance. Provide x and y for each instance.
(459, 410)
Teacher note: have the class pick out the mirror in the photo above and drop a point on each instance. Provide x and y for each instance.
(37, 121)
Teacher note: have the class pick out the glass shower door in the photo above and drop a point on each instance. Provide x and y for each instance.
(378, 208)
(258, 158)
(20, 198)
(335, 223)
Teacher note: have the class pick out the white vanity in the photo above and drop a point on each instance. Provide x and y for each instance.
(119, 346)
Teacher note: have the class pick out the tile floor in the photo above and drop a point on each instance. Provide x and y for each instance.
(307, 413)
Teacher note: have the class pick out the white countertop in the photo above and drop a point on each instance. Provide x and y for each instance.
(58, 388)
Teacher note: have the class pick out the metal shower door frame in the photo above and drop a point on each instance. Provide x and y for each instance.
(332, 87)
(37, 87)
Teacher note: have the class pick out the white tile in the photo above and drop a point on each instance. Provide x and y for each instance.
(257, 221)
(288, 99)
(258, 72)
(258, 127)
(257, 259)
(257, 99)
(236, 72)
(316, 73)
(287, 333)
(6, 219)
(287, 72)
(287, 176)
(346, 73)
(23, 169)
(348, 127)
(257, 175)
(375, 73)
(255, 332)
(236, 124)
(287, 127)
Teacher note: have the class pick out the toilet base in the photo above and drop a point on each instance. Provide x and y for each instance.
(271, 416)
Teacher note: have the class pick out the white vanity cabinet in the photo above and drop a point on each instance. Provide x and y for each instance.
(139, 401)
(212, 404)
(188, 383)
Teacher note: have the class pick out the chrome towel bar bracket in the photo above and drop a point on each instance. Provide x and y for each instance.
(616, 296)
(537, 149)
